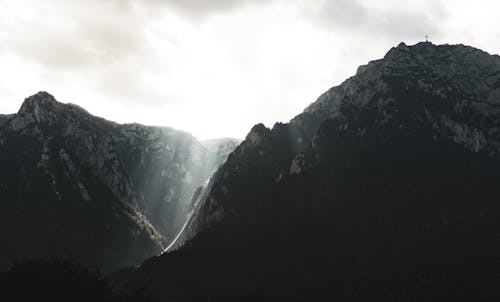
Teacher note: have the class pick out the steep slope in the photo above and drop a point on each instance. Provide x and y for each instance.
(78, 185)
(444, 92)
(386, 188)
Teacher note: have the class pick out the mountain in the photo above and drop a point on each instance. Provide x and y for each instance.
(439, 92)
(73, 184)
(385, 188)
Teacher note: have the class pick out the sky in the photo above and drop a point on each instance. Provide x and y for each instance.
(213, 68)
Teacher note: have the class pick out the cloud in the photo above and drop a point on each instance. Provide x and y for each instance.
(110, 46)
(102, 44)
(198, 8)
(387, 19)
(72, 34)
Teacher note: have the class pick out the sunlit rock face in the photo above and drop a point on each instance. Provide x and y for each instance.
(441, 92)
(78, 185)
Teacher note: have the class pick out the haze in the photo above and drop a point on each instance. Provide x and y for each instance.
(213, 67)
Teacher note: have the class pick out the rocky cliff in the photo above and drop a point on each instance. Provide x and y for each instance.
(78, 185)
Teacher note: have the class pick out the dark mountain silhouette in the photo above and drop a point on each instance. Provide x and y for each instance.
(384, 189)
(73, 184)
(56, 279)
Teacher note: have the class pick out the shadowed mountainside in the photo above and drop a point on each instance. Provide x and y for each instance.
(386, 188)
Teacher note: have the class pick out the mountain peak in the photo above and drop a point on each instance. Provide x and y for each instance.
(258, 134)
(403, 50)
(402, 46)
(40, 101)
(40, 97)
(40, 107)
(427, 50)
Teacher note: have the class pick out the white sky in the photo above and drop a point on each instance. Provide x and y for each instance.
(213, 67)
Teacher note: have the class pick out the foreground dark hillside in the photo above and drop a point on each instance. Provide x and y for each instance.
(58, 279)
(391, 229)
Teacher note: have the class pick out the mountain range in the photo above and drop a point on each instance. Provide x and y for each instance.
(386, 188)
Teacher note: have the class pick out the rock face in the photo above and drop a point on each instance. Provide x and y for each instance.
(386, 188)
(78, 185)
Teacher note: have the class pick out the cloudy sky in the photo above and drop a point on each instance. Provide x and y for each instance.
(213, 67)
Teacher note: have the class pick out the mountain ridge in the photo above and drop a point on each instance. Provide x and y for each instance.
(372, 82)
(132, 184)
(385, 188)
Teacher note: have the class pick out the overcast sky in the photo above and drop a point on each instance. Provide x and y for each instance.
(213, 67)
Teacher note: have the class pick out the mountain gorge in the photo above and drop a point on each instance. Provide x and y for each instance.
(385, 188)
(76, 185)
